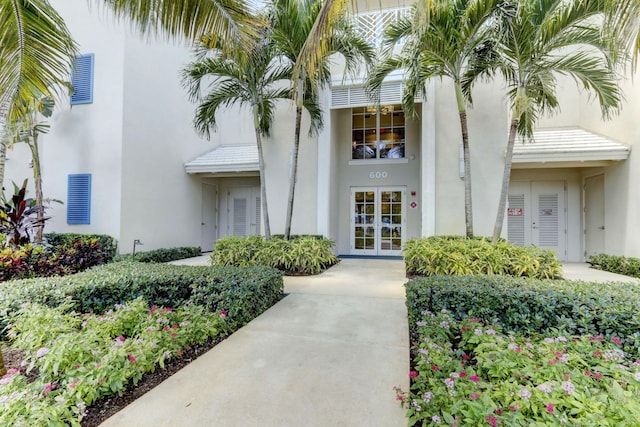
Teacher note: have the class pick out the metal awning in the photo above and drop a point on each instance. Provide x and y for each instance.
(568, 145)
(226, 158)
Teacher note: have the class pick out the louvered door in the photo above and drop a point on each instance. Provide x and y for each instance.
(244, 211)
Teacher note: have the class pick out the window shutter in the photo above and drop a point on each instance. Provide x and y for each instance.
(79, 199)
(82, 80)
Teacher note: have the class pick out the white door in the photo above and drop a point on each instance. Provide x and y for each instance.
(243, 210)
(209, 224)
(377, 220)
(594, 215)
(536, 215)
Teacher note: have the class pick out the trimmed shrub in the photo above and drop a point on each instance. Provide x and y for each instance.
(533, 306)
(242, 293)
(616, 264)
(164, 255)
(458, 255)
(299, 256)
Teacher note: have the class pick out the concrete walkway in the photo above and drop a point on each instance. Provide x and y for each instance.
(584, 272)
(328, 354)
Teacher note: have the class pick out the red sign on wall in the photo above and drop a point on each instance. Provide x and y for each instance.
(514, 211)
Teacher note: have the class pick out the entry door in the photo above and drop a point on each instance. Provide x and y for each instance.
(536, 215)
(243, 210)
(378, 220)
(209, 224)
(594, 215)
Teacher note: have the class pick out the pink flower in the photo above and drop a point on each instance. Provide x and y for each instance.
(474, 378)
(399, 397)
(616, 340)
(474, 396)
(132, 359)
(48, 388)
(466, 357)
(550, 408)
(173, 334)
(223, 314)
(598, 338)
(153, 309)
(463, 374)
(413, 374)
(435, 368)
(498, 411)
(493, 421)
(174, 326)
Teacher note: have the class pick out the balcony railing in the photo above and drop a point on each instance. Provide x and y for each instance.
(371, 25)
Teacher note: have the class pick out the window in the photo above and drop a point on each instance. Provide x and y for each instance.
(378, 133)
(82, 80)
(79, 199)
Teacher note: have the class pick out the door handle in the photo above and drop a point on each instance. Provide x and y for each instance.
(601, 227)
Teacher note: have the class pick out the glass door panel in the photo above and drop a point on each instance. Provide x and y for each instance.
(378, 221)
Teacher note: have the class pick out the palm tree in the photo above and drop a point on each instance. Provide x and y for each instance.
(291, 22)
(36, 53)
(537, 41)
(27, 130)
(197, 21)
(440, 46)
(251, 78)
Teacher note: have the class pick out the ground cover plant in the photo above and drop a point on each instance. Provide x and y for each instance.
(533, 306)
(616, 264)
(302, 255)
(75, 357)
(81, 358)
(459, 255)
(467, 373)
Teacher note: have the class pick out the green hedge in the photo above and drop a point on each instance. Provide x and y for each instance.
(458, 255)
(298, 256)
(164, 255)
(616, 264)
(242, 292)
(533, 306)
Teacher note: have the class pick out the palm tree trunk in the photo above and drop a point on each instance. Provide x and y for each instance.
(37, 179)
(506, 177)
(468, 205)
(293, 177)
(3, 369)
(263, 186)
(3, 143)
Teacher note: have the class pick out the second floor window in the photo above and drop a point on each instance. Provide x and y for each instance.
(377, 132)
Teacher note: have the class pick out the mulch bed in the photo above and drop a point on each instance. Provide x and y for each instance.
(108, 406)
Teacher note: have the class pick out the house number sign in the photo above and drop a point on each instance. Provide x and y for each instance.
(378, 175)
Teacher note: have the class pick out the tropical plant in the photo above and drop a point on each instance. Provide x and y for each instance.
(535, 42)
(291, 22)
(441, 38)
(27, 129)
(36, 53)
(249, 78)
(19, 216)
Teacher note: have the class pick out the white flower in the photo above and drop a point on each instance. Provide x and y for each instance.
(42, 352)
(549, 340)
(490, 331)
(444, 324)
(427, 397)
(525, 394)
(568, 387)
(416, 405)
(420, 323)
(436, 419)
(477, 331)
(449, 382)
(512, 346)
(454, 375)
(637, 376)
(546, 387)
(614, 355)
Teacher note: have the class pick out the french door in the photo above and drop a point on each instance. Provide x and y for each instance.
(377, 220)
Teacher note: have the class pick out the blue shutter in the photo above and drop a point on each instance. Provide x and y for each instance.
(79, 199)
(82, 80)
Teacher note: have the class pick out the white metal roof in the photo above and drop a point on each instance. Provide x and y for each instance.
(226, 158)
(568, 145)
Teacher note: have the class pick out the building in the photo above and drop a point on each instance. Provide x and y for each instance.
(126, 161)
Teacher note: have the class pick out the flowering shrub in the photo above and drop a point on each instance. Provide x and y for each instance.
(466, 373)
(81, 358)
